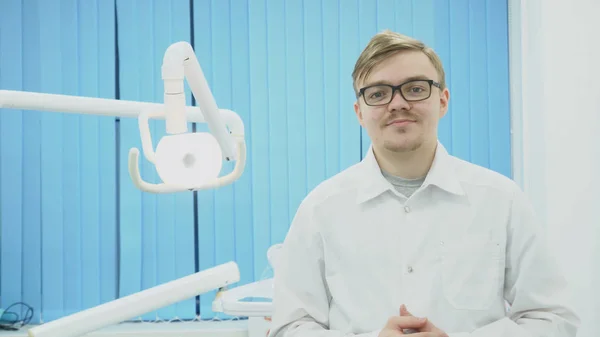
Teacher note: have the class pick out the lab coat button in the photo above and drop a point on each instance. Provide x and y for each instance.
(409, 269)
(407, 209)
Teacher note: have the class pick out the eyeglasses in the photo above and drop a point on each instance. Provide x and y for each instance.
(16, 316)
(411, 91)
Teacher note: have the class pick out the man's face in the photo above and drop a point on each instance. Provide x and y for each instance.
(402, 126)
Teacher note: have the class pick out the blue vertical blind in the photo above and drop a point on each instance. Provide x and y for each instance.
(75, 233)
(57, 171)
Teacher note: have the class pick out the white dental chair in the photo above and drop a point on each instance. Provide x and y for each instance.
(235, 301)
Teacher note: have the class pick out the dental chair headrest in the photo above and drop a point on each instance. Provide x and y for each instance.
(273, 255)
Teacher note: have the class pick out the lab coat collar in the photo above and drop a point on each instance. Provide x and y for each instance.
(441, 174)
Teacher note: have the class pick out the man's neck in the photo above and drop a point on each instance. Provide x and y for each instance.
(409, 165)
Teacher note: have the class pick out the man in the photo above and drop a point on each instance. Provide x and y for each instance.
(412, 240)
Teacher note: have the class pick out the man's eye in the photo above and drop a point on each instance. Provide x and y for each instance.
(377, 94)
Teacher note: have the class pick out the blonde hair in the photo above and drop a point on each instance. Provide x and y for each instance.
(386, 44)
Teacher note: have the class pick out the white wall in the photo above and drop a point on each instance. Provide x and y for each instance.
(556, 125)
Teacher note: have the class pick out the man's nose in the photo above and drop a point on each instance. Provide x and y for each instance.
(398, 102)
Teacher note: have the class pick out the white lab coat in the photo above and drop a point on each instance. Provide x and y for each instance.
(454, 252)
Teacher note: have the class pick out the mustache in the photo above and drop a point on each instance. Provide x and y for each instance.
(393, 119)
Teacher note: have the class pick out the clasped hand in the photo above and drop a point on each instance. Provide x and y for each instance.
(408, 324)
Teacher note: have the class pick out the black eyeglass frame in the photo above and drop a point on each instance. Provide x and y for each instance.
(398, 87)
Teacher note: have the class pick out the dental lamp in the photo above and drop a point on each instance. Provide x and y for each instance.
(178, 156)
(184, 162)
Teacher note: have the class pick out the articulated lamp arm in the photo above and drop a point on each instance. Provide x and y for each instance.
(179, 62)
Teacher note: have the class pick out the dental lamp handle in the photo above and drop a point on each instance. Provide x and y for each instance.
(138, 182)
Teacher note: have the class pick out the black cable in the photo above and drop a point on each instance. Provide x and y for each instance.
(12, 321)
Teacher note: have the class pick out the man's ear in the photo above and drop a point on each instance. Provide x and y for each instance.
(358, 113)
(444, 100)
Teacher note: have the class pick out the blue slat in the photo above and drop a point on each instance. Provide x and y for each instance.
(332, 108)
(459, 84)
(350, 48)
(240, 103)
(53, 292)
(97, 41)
(386, 15)
(206, 199)
(257, 133)
(53, 245)
(11, 154)
(423, 27)
(404, 17)
(499, 99)
(32, 212)
(315, 94)
(478, 83)
(278, 141)
(71, 160)
(295, 106)
(88, 44)
(130, 198)
(442, 48)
